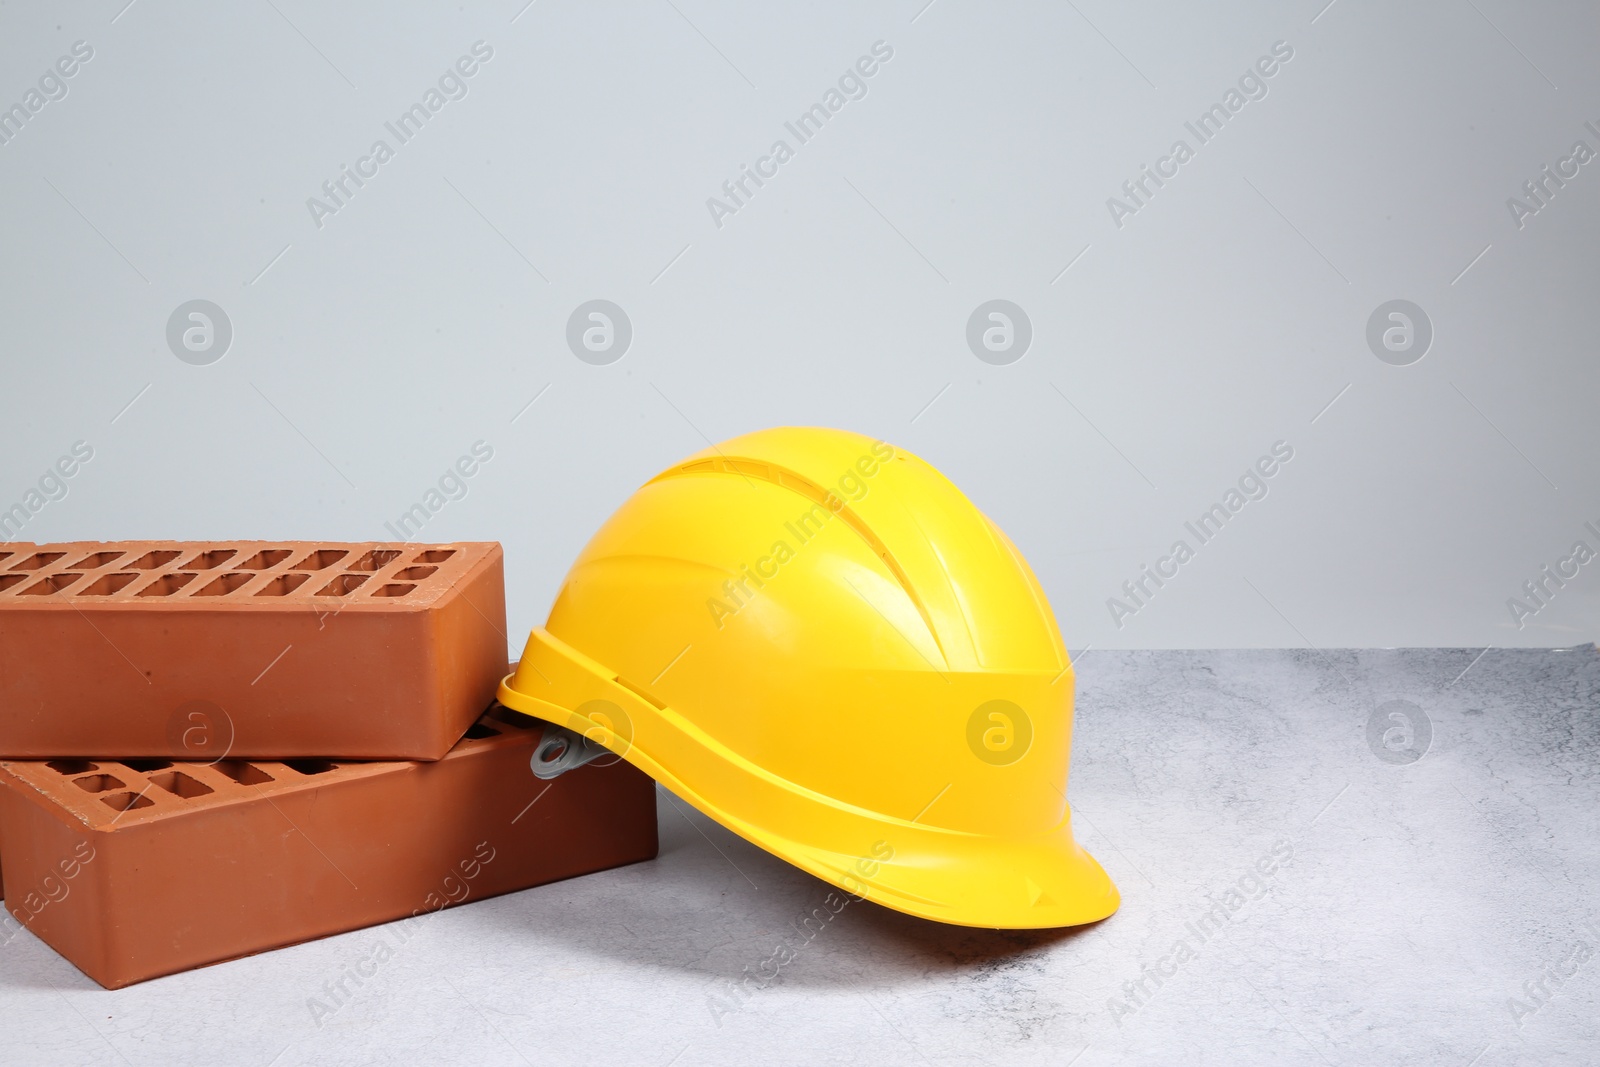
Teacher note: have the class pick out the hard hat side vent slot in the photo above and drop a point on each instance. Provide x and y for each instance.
(640, 693)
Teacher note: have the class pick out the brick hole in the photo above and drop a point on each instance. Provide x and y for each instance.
(9, 580)
(478, 731)
(343, 585)
(155, 560)
(283, 585)
(206, 561)
(145, 766)
(224, 584)
(108, 584)
(394, 589)
(99, 783)
(265, 559)
(515, 719)
(95, 560)
(72, 766)
(37, 561)
(6, 555)
(166, 585)
(310, 766)
(242, 772)
(375, 560)
(126, 801)
(321, 559)
(434, 555)
(415, 574)
(53, 584)
(180, 784)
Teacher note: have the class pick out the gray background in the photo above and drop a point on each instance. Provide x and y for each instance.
(1226, 315)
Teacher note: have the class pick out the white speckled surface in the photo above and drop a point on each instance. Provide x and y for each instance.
(1421, 904)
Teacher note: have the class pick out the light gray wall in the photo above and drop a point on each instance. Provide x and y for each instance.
(1225, 314)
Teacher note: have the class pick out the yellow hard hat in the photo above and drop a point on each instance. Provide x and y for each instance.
(818, 641)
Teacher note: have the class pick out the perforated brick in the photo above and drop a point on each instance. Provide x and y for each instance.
(256, 649)
(136, 868)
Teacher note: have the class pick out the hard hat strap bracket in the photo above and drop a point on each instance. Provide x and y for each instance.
(561, 750)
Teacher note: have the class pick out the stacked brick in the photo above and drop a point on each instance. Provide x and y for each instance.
(208, 750)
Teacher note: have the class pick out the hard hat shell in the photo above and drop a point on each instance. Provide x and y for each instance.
(818, 641)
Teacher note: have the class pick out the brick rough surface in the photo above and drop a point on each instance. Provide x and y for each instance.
(250, 649)
(136, 868)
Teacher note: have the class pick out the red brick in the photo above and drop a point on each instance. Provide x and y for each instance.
(183, 878)
(262, 650)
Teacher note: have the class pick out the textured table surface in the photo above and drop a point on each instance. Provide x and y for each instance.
(1436, 909)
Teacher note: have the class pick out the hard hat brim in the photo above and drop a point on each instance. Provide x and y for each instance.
(948, 876)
